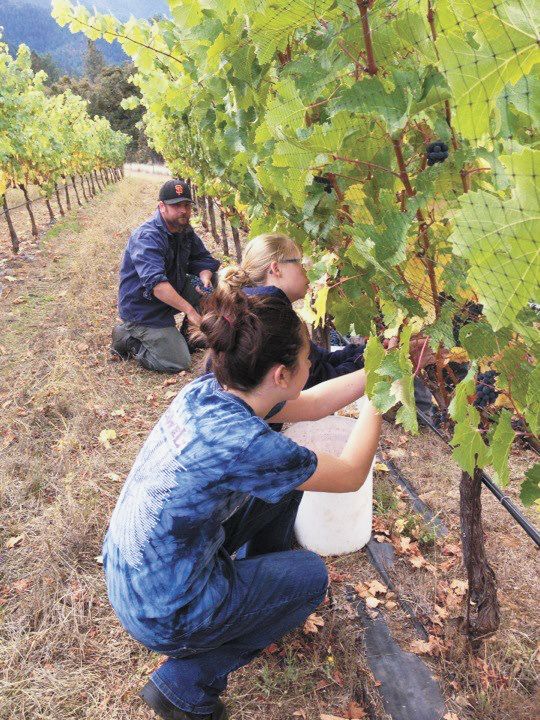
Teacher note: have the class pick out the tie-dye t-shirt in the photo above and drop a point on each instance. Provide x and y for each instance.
(164, 563)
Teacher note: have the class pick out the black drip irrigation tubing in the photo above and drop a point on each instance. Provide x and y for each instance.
(505, 501)
(418, 505)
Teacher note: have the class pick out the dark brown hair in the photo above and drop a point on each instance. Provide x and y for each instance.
(247, 335)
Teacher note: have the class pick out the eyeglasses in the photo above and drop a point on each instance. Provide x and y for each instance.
(305, 262)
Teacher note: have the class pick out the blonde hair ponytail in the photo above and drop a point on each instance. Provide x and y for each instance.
(259, 254)
(234, 277)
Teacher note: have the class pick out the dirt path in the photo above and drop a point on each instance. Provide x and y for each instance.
(62, 652)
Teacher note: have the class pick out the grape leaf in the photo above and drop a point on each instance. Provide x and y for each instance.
(501, 442)
(480, 340)
(507, 50)
(530, 488)
(499, 238)
(470, 450)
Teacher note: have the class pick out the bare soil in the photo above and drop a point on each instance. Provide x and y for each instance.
(63, 654)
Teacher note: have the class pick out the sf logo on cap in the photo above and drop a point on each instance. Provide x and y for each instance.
(179, 189)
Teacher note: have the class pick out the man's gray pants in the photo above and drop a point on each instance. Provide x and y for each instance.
(163, 350)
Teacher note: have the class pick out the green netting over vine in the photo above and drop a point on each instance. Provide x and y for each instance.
(397, 141)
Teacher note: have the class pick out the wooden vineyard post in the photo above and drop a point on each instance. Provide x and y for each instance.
(90, 192)
(76, 191)
(212, 216)
(482, 604)
(49, 208)
(237, 243)
(35, 232)
(204, 211)
(58, 199)
(224, 238)
(12, 234)
(68, 202)
(81, 178)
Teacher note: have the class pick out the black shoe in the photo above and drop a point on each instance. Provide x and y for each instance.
(155, 699)
(123, 344)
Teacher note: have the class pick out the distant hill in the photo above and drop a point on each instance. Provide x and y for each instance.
(30, 22)
(119, 8)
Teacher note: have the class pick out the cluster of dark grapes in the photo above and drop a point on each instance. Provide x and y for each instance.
(470, 312)
(485, 389)
(436, 152)
(325, 182)
(459, 370)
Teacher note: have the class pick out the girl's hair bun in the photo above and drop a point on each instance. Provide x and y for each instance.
(224, 312)
(234, 277)
(246, 336)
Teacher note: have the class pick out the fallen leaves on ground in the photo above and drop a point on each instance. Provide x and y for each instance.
(313, 623)
(14, 541)
(459, 587)
(105, 437)
(432, 646)
(337, 576)
(355, 711)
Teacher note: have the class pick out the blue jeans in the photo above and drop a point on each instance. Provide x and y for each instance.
(273, 591)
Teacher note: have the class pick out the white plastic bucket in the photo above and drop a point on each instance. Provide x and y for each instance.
(332, 523)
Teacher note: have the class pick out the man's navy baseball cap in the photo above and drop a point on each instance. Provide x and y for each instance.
(175, 191)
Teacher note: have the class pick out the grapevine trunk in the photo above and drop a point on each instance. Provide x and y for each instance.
(482, 604)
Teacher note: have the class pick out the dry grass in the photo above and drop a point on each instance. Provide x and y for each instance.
(62, 652)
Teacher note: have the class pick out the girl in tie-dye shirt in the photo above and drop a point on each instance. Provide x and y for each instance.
(198, 557)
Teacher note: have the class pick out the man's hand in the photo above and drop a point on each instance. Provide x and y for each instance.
(206, 279)
(193, 317)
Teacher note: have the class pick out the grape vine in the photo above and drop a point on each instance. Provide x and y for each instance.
(47, 140)
(397, 142)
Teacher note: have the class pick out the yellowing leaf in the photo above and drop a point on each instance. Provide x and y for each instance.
(306, 312)
(381, 467)
(320, 305)
(14, 541)
(503, 401)
(105, 436)
(458, 355)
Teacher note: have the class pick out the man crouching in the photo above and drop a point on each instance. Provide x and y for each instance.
(166, 269)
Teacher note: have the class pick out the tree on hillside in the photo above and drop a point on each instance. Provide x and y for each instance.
(104, 95)
(46, 63)
(94, 62)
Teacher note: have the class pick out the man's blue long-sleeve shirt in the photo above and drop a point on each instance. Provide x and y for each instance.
(154, 255)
